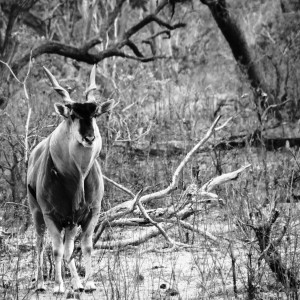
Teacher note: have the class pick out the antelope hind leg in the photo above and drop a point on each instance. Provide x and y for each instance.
(40, 241)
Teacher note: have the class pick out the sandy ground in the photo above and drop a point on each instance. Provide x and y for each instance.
(203, 271)
(176, 275)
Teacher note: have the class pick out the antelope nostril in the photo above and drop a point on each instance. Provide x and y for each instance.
(89, 138)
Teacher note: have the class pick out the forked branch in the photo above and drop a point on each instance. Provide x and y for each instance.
(172, 214)
(115, 49)
(173, 185)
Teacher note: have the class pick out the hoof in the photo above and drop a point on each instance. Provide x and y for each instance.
(73, 295)
(40, 288)
(90, 287)
(77, 286)
(59, 289)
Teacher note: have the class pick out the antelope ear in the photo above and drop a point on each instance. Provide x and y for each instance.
(62, 110)
(104, 107)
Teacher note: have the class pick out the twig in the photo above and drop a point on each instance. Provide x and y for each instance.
(224, 125)
(11, 71)
(14, 203)
(119, 186)
(26, 134)
(149, 38)
(138, 58)
(206, 234)
(129, 139)
(273, 106)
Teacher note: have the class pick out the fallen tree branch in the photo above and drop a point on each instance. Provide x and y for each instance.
(186, 206)
(116, 212)
(173, 185)
(213, 183)
(134, 241)
(153, 231)
(124, 208)
(156, 224)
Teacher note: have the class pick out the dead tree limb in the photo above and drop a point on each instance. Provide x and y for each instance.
(154, 223)
(157, 219)
(134, 241)
(170, 218)
(213, 183)
(127, 207)
(173, 185)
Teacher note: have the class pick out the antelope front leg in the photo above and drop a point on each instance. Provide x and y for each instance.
(57, 237)
(69, 247)
(87, 257)
(87, 246)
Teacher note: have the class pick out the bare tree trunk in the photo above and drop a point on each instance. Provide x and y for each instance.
(238, 44)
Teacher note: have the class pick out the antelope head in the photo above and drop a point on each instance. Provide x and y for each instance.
(81, 117)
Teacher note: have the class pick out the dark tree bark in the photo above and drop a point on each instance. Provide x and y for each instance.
(237, 43)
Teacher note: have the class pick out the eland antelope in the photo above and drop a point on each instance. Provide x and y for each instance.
(65, 184)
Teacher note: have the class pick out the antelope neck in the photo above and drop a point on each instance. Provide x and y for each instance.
(69, 156)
